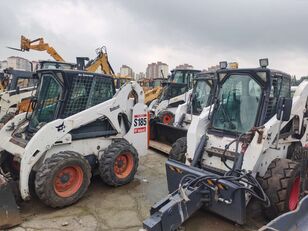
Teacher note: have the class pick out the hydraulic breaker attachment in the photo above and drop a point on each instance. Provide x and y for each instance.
(169, 213)
(191, 189)
(9, 212)
(162, 136)
(296, 220)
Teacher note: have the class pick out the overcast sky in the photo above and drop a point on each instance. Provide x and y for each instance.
(138, 32)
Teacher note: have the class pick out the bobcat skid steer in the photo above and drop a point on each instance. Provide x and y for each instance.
(78, 127)
(253, 147)
(176, 91)
(18, 88)
(162, 136)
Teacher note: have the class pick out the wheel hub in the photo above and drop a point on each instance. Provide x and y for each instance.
(123, 165)
(68, 181)
(65, 178)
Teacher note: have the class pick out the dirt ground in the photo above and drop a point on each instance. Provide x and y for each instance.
(123, 208)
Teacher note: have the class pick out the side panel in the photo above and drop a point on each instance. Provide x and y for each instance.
(138, 132)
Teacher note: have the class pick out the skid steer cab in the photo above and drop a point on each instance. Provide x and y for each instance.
(253, 150)
(163, 135)
(78, 127)
(18, 87)
(175, 92)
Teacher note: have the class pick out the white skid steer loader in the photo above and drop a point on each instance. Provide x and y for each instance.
(163, 136)
(19, 86)
(79, 126)
(175, 92)
(253, 147)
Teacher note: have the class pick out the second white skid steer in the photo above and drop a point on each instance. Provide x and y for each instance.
(79, 126)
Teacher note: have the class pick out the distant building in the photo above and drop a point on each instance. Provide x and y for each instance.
(184, 66)
(3, 64)
(127, 71)
(19, 63)
(157, 70)
(139, 76)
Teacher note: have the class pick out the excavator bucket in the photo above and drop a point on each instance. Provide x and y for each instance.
(9, 212)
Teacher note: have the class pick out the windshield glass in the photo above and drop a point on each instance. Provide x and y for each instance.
(156, 83)
(179, 77)
(49, 93)
(54, 65)
(172, 90)
(238, 102)
(201, 95)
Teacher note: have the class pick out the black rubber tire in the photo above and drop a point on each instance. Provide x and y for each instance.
(297, 153)
(44, 180)
(7, 117)
(277, 183)
(162, 114)
(107, 162)
(178, 150)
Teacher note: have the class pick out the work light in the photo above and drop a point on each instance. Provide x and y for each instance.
(263, 63)
(223, 65)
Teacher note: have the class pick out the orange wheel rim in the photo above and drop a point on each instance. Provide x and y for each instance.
(123, 165)
(68, 181)
(167, 118)
(294, 194)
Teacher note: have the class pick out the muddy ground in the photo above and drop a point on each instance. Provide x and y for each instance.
(123, 208)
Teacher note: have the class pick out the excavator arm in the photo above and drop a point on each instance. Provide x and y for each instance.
(38, 45)
(100, 61)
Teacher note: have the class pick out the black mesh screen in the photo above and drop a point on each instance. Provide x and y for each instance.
(87, 92)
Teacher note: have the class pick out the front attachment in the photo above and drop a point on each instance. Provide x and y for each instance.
(9, 213)
(162, 136)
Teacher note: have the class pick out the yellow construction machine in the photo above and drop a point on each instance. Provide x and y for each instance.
(39, 45)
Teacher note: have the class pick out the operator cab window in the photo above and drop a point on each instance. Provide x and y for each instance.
(201, 95)
(47, 101)
(239, 99)
(280, 87)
